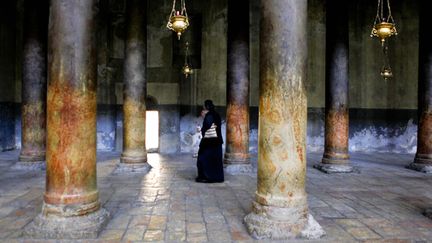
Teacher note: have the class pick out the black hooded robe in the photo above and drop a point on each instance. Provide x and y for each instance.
(209, 162)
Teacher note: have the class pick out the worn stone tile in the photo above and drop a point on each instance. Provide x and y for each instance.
(133, 235)
(154, 235)
(196, 228)
(237, 236)
(381, 204)
(4, 211)
(119, 222)
(141, 222)
(111, 234)
(4, 233)
(221, 236)
(157, 222)
(176, 225)
(346, 223)
(16, 233)
(397, 232)
(140, 210)
(376, 222)
(337, 234)
(175, 236)
(196, 238)
(363, 233)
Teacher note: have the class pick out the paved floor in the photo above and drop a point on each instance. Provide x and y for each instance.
(382, 203)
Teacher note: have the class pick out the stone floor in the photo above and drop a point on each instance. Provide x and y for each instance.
(381, 203)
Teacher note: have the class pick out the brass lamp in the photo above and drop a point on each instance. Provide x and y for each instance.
(178, 21)
(384, 27)
(384, 30)
(386, 71)
(187, 69)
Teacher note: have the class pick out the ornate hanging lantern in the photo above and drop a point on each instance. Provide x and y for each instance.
(384, 26)
(178, 21)
(386, 71)
(187, 69)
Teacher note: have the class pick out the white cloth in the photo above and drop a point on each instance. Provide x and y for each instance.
(211, 132)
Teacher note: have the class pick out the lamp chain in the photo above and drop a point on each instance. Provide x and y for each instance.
(390, 17)
(173, 7)
(186, 52)
(377, 17)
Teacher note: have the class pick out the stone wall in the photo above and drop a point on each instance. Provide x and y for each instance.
(179, 99)
(8, 46)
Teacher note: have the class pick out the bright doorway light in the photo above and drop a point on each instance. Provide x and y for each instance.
(152, 130)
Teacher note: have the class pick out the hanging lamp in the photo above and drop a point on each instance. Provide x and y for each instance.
(384, 26)
(178, 20)
(187, 69)
(386, 71)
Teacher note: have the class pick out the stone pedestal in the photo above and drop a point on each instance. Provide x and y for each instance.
(237, 129)
(132, 168)
(280, 209)
(134, 107)
(34, 82)
(423, 158)
(65, 226)
(26, 165)
(71, 206)
(336, 156)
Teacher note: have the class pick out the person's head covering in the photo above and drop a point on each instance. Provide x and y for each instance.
(208, 104)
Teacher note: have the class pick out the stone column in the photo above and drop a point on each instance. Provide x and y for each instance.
(280, 209)
(423, 158)
(71, 207)
(33, 107)
(134, 156)
(336, 156)
(237, 115)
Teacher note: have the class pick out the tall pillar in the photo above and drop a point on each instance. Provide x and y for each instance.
(33, 107)
(237, 128)
(336, 156)
(280, 209)
(423, 158)
(71, 207)
(134, 156)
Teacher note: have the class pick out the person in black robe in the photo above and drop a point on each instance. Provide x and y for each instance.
(209, 162)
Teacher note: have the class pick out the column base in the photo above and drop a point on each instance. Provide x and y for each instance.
(132, 168)
(75, 227)
(31, 158)
(133, 159)
(238, 169)
(261, 227)
(425, 168)
(35, 165)
(334, 168)
(236, 158)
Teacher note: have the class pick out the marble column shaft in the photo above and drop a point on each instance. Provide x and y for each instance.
(280, 209)
(33, 109)
(336, 156)
(423, 158)
(134, 107)
(237, 129)
(71, 144)
(71, 206)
